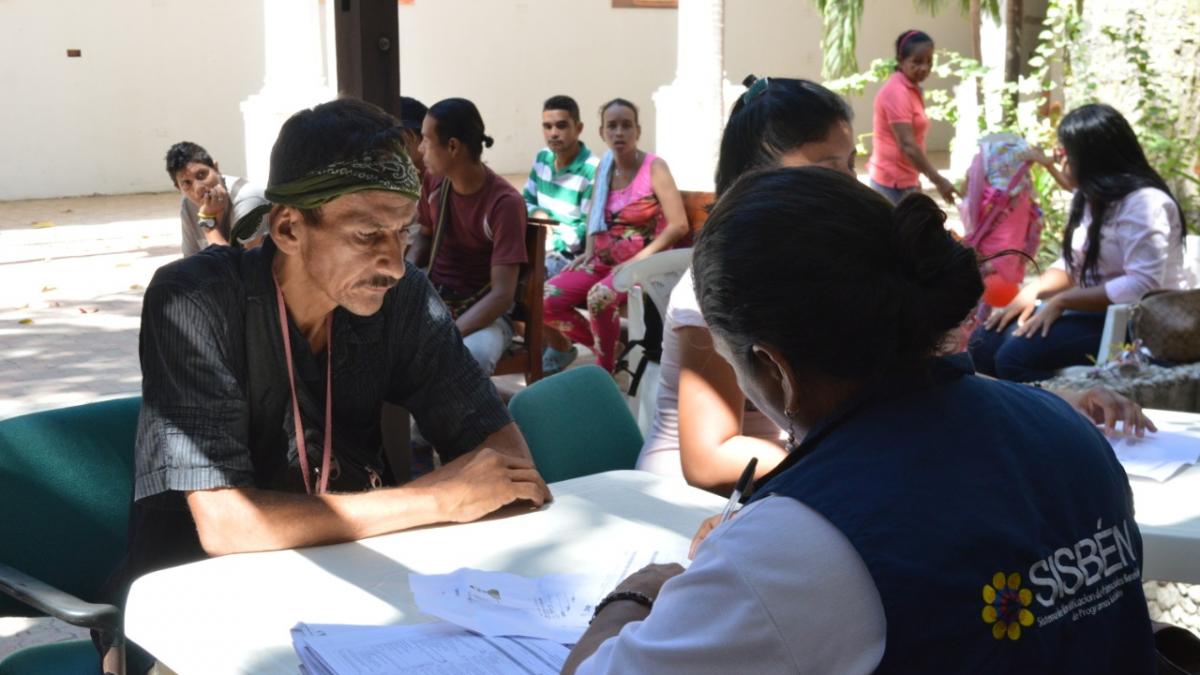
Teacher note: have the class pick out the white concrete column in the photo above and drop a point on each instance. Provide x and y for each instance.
(966, 130)
(993, 37)
(691, 111)
(295, 78)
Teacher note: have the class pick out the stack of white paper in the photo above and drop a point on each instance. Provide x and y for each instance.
(423, 649)
(1158, 456)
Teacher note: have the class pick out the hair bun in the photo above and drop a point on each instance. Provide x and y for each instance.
(749, 80)
(487, 141)
(919, 232)
(942, 273)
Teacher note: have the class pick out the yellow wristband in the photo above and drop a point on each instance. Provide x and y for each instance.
(204, 216)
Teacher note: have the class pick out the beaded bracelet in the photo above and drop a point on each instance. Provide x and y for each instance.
(640, 598)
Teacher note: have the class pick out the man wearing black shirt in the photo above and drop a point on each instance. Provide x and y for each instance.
(250, 358)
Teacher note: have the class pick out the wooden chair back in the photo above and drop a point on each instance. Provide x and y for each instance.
(696, 205)
(525, 354)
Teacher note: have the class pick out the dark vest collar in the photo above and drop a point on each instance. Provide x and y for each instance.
(940, 370)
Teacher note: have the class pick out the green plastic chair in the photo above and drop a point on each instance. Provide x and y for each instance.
(577, 423)
(66, 481)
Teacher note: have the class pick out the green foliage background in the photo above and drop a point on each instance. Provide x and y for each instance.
(1077, 62)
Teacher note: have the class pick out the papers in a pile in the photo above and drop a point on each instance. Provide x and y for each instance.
(424, 649)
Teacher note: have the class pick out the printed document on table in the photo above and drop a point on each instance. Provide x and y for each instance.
(423, 649)
(554, 607)
(1158, 455)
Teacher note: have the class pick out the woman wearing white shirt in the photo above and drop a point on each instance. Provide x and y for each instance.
(1124, 238)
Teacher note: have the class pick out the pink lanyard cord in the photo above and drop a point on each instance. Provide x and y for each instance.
(301, 449)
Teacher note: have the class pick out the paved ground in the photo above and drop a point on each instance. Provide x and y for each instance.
(72, 273)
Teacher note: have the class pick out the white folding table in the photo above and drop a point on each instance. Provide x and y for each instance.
(232, 614)
(1168, 513)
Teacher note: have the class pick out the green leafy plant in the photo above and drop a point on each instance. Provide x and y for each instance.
(841, 19)
(1156, 119)
(1033, 105)
(839, 37)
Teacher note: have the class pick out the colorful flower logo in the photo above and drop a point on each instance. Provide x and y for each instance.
(1006, 608)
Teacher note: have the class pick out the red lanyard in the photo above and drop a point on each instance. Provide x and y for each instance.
(301, 450)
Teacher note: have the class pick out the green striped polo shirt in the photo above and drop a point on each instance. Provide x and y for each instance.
(566, 195)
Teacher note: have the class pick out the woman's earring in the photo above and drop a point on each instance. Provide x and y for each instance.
(791, 442)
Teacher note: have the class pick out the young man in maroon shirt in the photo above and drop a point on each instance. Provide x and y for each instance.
(473, 227)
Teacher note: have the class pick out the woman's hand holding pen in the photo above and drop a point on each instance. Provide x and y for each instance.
(706, 527)
(741, 492)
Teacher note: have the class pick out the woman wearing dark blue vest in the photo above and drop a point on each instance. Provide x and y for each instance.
(931, 521)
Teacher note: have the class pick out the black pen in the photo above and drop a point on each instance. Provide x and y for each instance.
(743, 486)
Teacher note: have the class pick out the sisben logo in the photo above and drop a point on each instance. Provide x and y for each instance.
(1006, 608)
(1074, 569)
(1074, 582)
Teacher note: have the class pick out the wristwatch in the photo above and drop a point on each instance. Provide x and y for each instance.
(206, 221)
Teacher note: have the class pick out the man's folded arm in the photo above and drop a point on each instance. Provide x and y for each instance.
(236, 520)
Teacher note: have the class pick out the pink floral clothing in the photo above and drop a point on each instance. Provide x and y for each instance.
(634, 217)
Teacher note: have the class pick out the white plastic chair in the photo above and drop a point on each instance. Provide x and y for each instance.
(1191, 259)
(1116, 322)
(653, 277)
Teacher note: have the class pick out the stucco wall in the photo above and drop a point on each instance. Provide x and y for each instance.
(595, 52)
(783, 37)
(157, 71)
(152, 72)
(514, 55)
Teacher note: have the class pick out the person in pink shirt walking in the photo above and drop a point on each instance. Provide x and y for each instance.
(900, 124)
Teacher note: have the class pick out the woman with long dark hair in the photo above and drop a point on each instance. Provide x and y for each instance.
(1124, 238)
(931, 521)
(900, 124)
(703, 430)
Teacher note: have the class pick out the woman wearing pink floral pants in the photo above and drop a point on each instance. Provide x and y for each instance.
(642, 215)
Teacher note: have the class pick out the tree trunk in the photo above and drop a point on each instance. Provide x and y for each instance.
(1015, 16)
(976, 22)
(1013, 19)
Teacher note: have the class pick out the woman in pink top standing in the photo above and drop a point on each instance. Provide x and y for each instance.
(637, 211)
(900, 124)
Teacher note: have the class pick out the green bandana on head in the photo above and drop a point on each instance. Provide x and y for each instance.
(388, 168)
